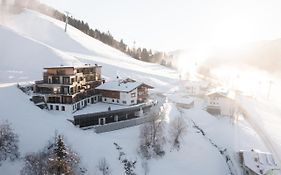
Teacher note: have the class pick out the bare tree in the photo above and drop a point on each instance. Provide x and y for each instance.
(178, 128)
(103, 167)
(152, 137)
(35, 164)
(8, 143)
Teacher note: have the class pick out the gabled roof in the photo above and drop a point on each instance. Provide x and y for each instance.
(259, 162)
(222, 93)
(121, 85)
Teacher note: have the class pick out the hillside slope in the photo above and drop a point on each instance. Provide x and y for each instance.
(71, 48)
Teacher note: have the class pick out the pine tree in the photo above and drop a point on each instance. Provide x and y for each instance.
(56, 159)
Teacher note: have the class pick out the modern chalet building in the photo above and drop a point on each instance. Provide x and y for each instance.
(69, 88)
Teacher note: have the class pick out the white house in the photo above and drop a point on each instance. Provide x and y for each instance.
(221, 102)
(124, 92)
(255, 162)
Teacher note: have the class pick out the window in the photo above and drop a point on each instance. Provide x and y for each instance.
(132, 101)
(51, 107)
(95, 98)
(133, 94)
(57, 107)
(117, 101)
(112, 100)
(104, 99)
(73, 107)
(62, 108)
(124, 102)
(88, 100)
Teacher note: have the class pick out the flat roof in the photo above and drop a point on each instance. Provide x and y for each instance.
(101, 108)
(74, 67)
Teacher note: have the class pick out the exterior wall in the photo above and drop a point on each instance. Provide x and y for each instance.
(224, 104)
(142, 94)
(59, 107)
(111, 100)
(71, 108)
(67, 70)
(120, 98)
(227, 107)
(110, 94)
(129, 98)
(214, 101)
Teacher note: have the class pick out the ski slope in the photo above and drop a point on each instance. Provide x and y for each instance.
(31, 41)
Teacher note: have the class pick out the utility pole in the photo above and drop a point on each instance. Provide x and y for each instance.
(66, 20)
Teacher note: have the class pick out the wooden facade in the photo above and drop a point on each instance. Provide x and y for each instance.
(68, 85)
(110, 94)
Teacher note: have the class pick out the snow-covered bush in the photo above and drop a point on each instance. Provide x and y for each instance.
(178, 128)
(56, 158)
(8, 143)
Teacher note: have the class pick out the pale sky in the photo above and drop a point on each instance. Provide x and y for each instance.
(177, 24)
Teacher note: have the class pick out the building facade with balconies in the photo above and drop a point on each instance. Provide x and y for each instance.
(69, 88)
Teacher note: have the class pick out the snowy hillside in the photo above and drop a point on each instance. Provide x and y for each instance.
(31, 41)
(41, 41)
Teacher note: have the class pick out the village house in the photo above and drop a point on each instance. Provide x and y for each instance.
(221, 102)
(124, 92)
(124, 101)
(255, 162)
(68, 88)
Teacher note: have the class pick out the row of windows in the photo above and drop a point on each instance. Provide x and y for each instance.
(214, 98)
(214, 103)
(92, 100)
(57, 107)
(112, 100)
(117, 101)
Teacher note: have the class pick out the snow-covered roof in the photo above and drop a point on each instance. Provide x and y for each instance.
(222, 92)
(73, 67)
(120, 85)
(259, 162)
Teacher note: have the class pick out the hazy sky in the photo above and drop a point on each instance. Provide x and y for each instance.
(173, 24)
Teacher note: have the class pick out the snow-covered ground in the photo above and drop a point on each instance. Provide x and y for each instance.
(31, 41)
(260, 99)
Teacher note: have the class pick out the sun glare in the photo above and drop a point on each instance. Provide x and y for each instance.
(233, 30)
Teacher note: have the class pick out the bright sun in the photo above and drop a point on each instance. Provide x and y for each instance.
(234, 30)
